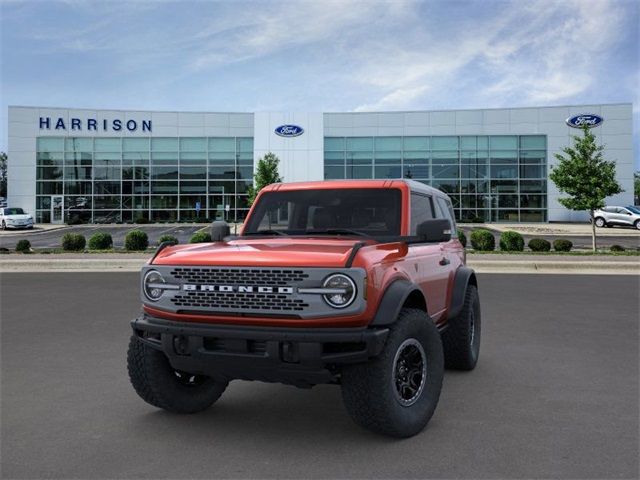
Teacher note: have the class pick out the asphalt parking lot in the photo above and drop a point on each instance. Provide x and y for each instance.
(555, 394)
(53, 238)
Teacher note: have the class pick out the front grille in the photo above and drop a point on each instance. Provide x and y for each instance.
(248, 276)
(254, 291)
(239, 301)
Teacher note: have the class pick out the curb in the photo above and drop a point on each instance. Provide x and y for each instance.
(549, 266)
(480, 266)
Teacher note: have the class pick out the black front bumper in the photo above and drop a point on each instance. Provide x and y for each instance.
(298, 356)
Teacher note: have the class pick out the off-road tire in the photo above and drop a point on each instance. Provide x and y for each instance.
(369, 389)
(156, 382)
(461, 339)
(600, 222)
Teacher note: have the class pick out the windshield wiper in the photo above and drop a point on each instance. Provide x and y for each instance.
(266, 232)
(338, 231)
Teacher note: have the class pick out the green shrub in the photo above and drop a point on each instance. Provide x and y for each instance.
(23, 246)
(100, 241)
(482, 240)
(73, 242)
(539, 245)
(136, 240)
(142, 220)
(463, 238)
(562, 245)
(511, 241)
(167, 238)
(200, 237)
(617, 248)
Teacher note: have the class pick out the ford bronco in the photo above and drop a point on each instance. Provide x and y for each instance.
(358, 283)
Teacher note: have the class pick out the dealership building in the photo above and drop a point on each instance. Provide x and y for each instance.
(122, 166)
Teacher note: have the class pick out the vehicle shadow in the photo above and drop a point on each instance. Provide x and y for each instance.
(263, 411)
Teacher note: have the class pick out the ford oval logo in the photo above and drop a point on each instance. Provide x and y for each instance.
(289, 131)
(584, 120)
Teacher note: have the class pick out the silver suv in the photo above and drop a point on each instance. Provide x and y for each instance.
(628, 216)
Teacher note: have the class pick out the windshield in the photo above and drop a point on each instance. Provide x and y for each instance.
(634, 209)
(359, 212)
(13, 211)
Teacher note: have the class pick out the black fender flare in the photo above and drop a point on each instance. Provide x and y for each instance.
(463, 277)
(394, 299)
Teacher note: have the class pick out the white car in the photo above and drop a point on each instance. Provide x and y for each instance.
(15, 218)
(628, 216)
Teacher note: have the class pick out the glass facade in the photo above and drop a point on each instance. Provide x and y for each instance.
(156, 179)
(499, 178)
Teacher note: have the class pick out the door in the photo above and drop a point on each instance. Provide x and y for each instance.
(623, 216)
(57, 209)
(428, 260)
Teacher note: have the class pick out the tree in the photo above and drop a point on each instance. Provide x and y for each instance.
(3, 174)
(585, 176)
(636, 188)
(266, 174)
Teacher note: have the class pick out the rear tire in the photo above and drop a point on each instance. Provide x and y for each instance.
(397, 393)
(599, 221)
(461, 339)
(637, 224)
(160, 385)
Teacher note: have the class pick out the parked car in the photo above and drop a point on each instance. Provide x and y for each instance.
(357, 283)
(628, 216)
(15, 218)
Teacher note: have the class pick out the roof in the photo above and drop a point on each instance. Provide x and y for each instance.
(336, 184)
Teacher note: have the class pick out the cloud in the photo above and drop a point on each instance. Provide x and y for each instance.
(533, 53)
(270, 27)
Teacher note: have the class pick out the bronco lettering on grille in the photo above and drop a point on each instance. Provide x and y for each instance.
(237, 288)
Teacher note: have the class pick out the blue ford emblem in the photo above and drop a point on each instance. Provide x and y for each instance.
(289, 131)
(584, 120)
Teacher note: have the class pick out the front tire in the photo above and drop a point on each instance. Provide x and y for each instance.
(397, 393)
(637, 224)
(461, 339)
(600, 222)
(159, 384)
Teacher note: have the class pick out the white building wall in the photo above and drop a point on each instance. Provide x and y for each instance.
(615, 133)
(301, 157)
(24, 128)
(21, 165)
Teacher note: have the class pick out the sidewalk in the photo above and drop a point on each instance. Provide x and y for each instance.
(610, 265)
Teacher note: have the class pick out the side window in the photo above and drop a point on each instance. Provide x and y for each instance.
(447, 212)
(421, 210)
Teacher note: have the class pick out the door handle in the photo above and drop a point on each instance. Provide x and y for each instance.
(444, 261)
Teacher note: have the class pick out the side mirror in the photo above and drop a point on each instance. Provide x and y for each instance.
(219, 230)
(435, 230)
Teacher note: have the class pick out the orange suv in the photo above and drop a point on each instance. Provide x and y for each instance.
(358, 283)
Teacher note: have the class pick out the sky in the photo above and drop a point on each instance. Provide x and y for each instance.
(296, 55)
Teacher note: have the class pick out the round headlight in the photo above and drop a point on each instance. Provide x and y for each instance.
(152, 285)
(344, 290)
